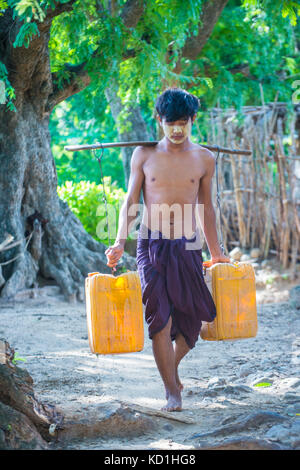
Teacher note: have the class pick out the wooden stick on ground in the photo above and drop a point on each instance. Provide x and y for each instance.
(8, 239)
(161, 414)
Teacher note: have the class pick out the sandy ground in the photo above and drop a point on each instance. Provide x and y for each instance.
(219, 377)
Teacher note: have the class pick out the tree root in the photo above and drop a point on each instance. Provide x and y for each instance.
(63, 252)
(24, 420)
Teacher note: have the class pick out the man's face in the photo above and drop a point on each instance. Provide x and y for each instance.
(178, 131)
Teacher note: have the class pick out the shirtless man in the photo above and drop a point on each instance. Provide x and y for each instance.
(174, 172)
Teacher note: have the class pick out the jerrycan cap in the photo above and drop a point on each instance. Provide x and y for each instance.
(207, 264)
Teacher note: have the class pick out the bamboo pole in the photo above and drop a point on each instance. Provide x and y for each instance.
(238, 196)
(291, 172)
(253, 199)
(256, 169)
(294, 254)
(98, 145)
(219, 138)
(285, 232)
(269, 128)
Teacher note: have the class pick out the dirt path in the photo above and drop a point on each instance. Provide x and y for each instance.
(219, 379)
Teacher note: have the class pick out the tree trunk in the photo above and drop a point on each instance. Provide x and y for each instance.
(24, 420)
(59, 247)
(138, 129)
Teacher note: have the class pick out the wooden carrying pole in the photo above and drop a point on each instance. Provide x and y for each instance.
(75, 148)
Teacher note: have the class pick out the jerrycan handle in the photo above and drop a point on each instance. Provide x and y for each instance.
(209, 263)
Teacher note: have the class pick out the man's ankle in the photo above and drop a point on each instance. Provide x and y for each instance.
(174, 391)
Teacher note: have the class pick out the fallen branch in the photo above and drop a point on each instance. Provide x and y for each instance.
(162, 414)
(20, 254)
(6, 242)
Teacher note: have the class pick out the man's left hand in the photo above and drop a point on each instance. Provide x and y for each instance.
(220, 259)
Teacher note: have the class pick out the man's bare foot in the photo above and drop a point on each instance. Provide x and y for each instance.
(174, 402)
(178, 383)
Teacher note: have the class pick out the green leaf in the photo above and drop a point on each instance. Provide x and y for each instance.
(18, 358)
(3, 6)
(24, 36)
(263, 384)
(85, 199)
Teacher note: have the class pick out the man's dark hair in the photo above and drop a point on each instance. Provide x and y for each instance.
(174, 104)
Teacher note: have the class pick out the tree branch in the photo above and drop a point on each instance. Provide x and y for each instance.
(79, 80)
(52, 13)
(211, 12)
(59, 9)
(132, 12)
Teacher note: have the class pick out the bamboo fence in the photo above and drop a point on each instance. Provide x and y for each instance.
(260, 193)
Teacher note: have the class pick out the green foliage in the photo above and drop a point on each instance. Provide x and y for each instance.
(85, 199)
(165, 25)
(85, 118)
(3, 6)
(270, 280)
(17, 358)
(251, 44)
(289, 8)
(292, 10)
(28, 9)
(9, 90)
(242, 35)
(24, 36)
(254, 42)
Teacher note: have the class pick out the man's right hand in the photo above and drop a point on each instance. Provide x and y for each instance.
(113, 254)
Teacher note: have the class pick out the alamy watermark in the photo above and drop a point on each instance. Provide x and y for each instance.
(296, 94)
(166, 221)
(2, 92)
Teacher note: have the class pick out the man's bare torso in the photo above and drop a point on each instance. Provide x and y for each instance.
(170, 188)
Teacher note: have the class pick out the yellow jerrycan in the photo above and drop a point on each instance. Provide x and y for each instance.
(233, 289)
(114, 313)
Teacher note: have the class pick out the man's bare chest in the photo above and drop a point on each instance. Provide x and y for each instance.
(173, 173)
